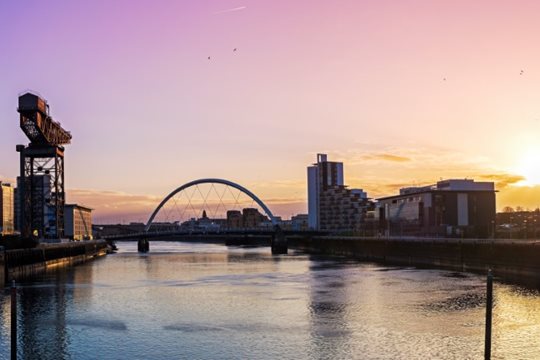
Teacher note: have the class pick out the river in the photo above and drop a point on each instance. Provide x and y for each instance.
(208, 301)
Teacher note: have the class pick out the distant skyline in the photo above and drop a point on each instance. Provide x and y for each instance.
(157, 94)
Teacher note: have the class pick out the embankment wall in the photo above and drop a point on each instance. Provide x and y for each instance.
(514, 260)
(21, 263)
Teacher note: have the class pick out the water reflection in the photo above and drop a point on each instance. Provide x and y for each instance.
(330, 333)
(209, 301)
(42, 318)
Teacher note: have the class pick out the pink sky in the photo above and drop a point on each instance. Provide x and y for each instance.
(363, 81)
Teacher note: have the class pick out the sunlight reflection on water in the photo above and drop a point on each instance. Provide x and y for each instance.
(209, 301)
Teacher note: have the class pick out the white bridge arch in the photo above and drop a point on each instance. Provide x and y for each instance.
(211, 181)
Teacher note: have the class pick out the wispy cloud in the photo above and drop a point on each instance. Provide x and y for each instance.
(230, 10)
(386, 157)
(502, 180)
(382, 170)
(114, 206)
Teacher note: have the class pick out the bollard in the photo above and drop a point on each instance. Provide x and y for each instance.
(279, 245)
(489, 309)
(143, 245)
(13, 321)
(279, 242)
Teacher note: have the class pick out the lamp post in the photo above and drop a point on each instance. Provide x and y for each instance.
(13, 321)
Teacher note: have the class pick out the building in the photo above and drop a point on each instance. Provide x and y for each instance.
(247, 218)
(252, 218)
(455, 207)
(17, 209)
(78, 222)
(331, 205)
(299, 222)
(321, 176)
(45, 221)
(7, 211)
(518, 224)
(234, 219)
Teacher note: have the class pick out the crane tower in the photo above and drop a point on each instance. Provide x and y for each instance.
(41, 183)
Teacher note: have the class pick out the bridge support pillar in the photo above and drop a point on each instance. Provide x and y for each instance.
(143, 245)
(279, 242)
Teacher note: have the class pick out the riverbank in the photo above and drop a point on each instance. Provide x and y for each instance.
(514, 260)
(22, 263)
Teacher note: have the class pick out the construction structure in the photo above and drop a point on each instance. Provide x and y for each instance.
(41, 192)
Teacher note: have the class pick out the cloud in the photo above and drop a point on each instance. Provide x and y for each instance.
(6, 179)
(120, 207)
(114, 206)
(382, 170)
(502, 180)
(230, 10)
(386, 157)
(379, 170)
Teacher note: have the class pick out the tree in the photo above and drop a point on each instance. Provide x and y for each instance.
(508, 209)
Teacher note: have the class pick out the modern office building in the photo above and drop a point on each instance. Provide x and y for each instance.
(78, 222)
(455, 207)
(331, 205)
(7, 211)
(321, 175)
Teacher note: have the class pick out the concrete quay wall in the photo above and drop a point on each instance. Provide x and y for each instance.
(2, 267)
(517, 261)
(22, 263)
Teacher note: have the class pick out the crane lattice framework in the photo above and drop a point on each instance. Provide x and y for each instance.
(41, 183)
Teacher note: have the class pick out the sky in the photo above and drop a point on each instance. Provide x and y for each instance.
(403, 92)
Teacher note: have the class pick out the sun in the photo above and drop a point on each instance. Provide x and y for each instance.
(529, 167)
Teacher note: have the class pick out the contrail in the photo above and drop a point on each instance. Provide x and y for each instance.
(230, 10)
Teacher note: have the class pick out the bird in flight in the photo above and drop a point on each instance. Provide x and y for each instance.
(234, 49)
(521, 72)
(209, 58)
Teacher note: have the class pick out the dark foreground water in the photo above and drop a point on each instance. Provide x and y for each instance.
(200, 301)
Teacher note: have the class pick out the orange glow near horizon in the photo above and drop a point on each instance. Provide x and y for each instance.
(529, 167)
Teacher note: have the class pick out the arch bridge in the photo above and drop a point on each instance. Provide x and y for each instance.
(279, 243)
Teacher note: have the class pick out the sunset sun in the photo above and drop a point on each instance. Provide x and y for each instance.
(529, 167)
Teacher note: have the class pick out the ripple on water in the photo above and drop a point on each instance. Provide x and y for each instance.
(465, 301)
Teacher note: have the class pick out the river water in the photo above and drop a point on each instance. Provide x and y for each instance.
(207, 301)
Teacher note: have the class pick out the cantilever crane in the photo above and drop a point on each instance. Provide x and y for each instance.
(36, 123)
(41, 182)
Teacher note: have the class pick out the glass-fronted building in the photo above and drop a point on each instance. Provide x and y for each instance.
(455, 207)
